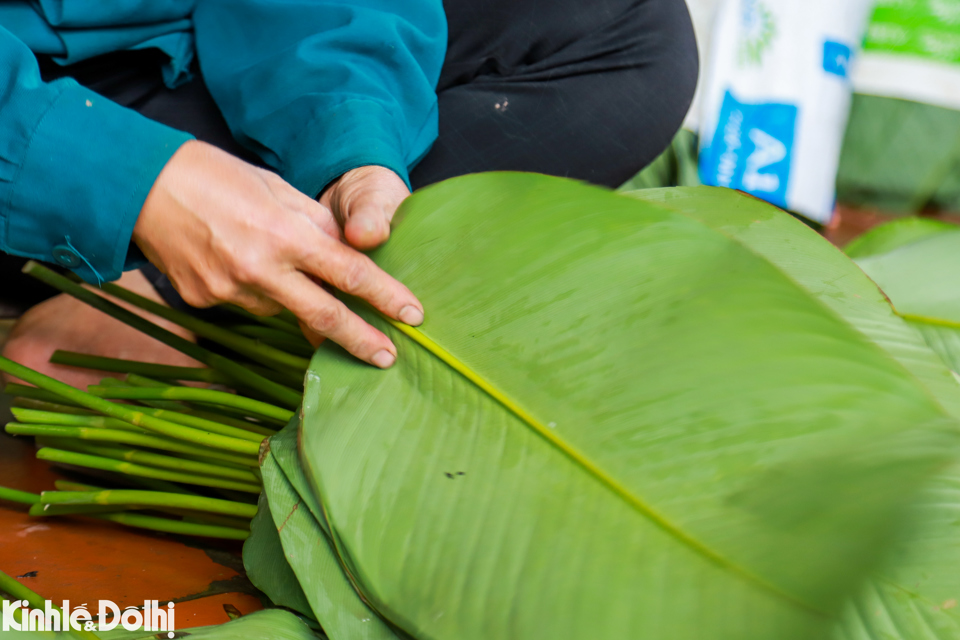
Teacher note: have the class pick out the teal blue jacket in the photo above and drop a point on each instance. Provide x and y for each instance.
(314, 87)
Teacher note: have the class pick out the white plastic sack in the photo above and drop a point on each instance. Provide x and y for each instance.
(776, 97)
(912, 52)
(703, 14)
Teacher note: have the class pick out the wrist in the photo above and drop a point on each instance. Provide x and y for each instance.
(161, 201)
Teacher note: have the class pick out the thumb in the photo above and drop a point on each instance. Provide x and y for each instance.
(367, 199)
(368, 223)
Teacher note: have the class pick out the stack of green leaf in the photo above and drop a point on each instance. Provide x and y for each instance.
(674, 413)
(681, 414)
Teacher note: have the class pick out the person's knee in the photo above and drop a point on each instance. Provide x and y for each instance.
(679, 56)
(667, 61)
(599, 108)
(647, 94)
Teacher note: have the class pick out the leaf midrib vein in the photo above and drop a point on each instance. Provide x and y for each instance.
(599, 474)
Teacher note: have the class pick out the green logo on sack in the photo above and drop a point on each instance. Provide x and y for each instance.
(757, 34)
(919, 28)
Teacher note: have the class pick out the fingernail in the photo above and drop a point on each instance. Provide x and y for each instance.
(384, 359)
(411, 315)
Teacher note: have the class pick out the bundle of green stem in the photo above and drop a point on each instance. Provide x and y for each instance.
(190, 453)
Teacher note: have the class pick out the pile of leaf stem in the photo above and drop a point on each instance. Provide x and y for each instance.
(190, 453)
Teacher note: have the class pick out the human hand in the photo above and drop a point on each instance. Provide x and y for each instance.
(364, 201)
(223, 230)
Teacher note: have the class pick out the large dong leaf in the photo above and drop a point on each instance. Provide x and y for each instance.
(819, 268)
(900, 155)
(620, 420)
(915, 594)
(921, 277)
(893, 235)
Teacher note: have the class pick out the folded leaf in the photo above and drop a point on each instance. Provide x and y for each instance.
(307, 550)
(267, 567)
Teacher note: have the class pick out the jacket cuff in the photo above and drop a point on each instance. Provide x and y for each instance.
(82, 181)
(356, 133)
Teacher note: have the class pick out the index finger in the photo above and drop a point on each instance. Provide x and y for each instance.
(352, 272)
(330, 318)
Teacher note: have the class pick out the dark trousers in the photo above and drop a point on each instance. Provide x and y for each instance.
(589, 89)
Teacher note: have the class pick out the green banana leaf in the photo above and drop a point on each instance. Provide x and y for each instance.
(918, 272)
(915, 593)
(893, 235)
(267, 566)
(921, 278)
(621, 418)
(900, 156)
(822, 270)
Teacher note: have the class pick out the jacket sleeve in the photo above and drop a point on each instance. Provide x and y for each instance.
(75, 168)
(319, 87)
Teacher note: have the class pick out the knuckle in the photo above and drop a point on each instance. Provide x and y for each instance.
(247, 270)
(286, 234)
(290, 239)
(262, 307)
(196, 298)
(267, 309)
(353, 277)
(325, 319)
(220, 290)
(362, 346)
(245, 267)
